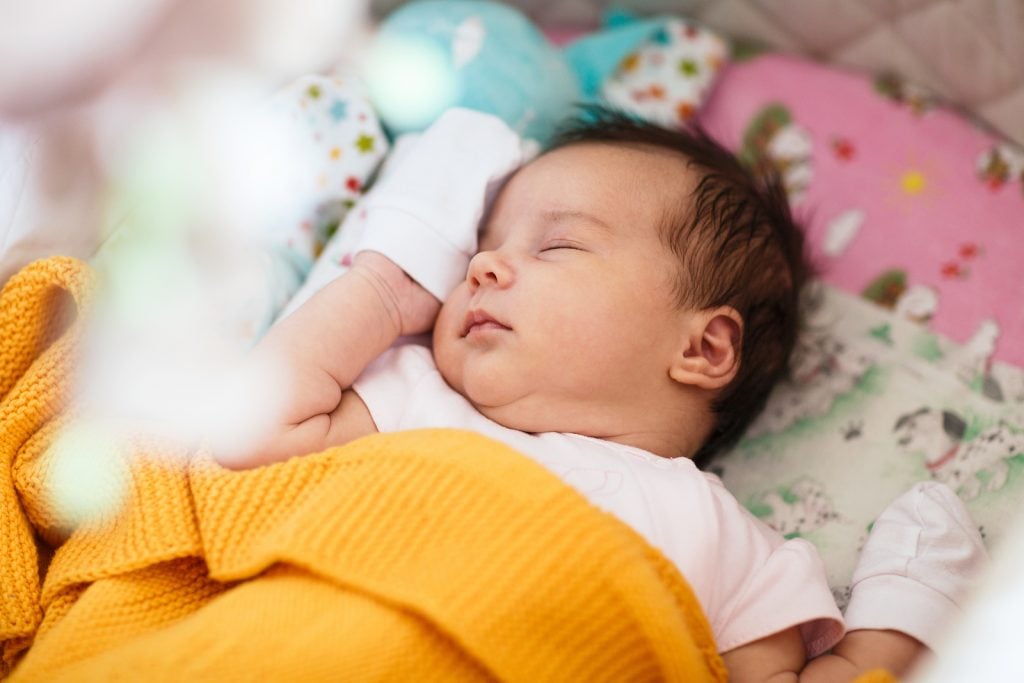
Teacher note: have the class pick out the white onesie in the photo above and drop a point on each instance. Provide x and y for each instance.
(750, 582)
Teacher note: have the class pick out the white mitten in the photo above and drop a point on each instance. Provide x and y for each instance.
(424, 211)
(918, 566)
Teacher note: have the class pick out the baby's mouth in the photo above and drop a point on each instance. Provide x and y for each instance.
(479, 320)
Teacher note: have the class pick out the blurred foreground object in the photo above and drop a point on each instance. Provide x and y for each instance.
(56, 52)
(73, 76)
(984, 644)
(141, 135)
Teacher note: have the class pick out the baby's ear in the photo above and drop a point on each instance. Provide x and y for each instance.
(709, 355)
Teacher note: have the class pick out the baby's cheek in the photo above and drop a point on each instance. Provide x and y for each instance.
(445, 338)
(580, 338)
(450, 317)
(449, 364)
(618, 332)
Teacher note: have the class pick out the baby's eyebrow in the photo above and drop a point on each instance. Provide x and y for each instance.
(557, 215)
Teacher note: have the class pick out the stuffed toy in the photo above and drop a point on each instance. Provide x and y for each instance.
(660, 69)
(434, 54)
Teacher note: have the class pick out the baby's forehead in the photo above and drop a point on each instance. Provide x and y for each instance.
(626, 180)
(617, 155)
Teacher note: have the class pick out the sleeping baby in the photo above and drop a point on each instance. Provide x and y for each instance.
(633, 299)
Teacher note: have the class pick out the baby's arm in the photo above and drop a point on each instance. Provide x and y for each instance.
(319, 351)
(912, 579)
(419, 233)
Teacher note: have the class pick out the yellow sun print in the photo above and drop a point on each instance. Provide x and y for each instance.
(913, 182)
(916, 181)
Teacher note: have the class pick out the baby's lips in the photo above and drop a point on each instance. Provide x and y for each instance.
(479, 316)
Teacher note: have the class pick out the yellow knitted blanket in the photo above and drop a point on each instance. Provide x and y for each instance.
(434, 555)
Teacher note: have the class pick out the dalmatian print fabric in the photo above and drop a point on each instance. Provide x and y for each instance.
(875, 404)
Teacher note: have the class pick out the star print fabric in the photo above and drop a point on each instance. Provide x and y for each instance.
(343, 143)
(668, 77)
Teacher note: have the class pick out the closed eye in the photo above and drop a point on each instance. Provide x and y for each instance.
(552, 246)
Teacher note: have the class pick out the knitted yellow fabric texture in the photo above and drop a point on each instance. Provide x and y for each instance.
(433, 555)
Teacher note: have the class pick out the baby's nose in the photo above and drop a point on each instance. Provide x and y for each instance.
(488, 268)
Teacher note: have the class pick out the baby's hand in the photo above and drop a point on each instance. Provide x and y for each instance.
(412, 308)
(424, 210)
(918, 566)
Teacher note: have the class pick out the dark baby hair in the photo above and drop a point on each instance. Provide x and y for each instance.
(738, 246)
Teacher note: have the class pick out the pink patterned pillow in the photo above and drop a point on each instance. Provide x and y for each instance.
(906, 202)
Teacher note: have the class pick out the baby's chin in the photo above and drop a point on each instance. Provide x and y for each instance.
(531, 413)
(508, 416)
(495, 401)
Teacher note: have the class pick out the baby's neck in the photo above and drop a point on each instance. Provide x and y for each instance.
(665, 445)
(671, 431)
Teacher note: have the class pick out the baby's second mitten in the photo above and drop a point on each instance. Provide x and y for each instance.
(424, 211)
(916, 570)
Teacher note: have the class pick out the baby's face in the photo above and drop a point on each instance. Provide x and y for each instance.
(566, 320)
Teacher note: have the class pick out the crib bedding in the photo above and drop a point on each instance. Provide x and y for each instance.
(905, 201)
(877, 403)
(909, 368)
(969, 51)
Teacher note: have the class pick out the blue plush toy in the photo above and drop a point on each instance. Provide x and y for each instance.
(434, 54)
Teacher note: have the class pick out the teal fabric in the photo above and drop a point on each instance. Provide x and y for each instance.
(477, 54)
(596, 56)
